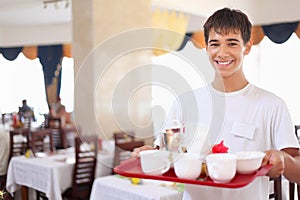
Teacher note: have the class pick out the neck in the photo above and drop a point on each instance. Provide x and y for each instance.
(229, 84)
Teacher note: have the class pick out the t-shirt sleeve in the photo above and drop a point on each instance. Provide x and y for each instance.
(283, 128)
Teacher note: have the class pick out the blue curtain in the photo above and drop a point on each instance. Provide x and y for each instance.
(185, 40)
(280, 33)
(11, 53)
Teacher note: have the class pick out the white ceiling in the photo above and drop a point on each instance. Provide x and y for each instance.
(32, 12)
(22, 19)
(28, 12)
(28, 22)
(260, 12)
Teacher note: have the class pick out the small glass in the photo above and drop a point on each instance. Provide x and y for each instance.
(173, 141)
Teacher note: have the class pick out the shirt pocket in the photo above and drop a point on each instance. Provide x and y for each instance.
(242, 129)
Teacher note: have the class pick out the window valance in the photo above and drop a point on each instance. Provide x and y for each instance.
(278, 33)
(50, 57)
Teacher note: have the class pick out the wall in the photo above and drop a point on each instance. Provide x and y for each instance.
(35, 35)
(104, 83)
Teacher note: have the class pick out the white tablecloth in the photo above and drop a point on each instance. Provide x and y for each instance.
(52, 174)
(116, 188)
(46, 175)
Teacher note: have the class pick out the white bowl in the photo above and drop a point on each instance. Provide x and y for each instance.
(249, 161)
(188, 165)
(221, 167)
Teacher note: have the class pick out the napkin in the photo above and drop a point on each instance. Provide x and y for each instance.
(220, 148)
(29, 154)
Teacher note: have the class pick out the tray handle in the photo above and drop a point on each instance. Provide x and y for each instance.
(264, 170)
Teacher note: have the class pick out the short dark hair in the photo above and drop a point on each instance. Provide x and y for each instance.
(226, 20)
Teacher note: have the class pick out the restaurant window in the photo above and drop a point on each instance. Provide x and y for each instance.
(23, 78)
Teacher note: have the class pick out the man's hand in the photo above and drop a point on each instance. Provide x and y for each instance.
(276, 158)
(136, 151)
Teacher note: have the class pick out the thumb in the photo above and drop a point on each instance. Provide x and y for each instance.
(266, 159)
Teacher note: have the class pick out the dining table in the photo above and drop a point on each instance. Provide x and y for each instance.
(50, 173)
(117, 187)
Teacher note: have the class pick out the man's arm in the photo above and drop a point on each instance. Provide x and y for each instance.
(285, 162)
(292, 164)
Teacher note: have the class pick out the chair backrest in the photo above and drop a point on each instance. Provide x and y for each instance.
(297, 128)
(121, 137)
(292, 186)
(19, 142)
(292, 191)
(6, 117)
(277, 190)
(27, 122)
(42, 141)
(84, 170)
(124, 145)
(55, 124)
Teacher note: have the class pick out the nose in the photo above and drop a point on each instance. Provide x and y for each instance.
(223, 52)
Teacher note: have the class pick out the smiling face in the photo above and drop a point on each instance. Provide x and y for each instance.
(227, 36)
(226, 53)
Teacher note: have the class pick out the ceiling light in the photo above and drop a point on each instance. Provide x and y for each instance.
(56, 3)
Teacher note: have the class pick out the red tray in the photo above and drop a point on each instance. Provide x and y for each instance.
(132, 168)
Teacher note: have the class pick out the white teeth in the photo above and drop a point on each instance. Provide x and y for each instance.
(223, 63)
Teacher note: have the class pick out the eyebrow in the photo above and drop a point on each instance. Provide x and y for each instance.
(228, 40)
(210, 41)
(232, 40)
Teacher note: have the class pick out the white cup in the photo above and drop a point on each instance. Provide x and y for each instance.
(221, 167)
(188, 165)
(154, 162)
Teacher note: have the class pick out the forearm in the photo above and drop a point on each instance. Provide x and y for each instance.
(291, 168)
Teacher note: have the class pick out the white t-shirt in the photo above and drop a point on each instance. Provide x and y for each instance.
(248, 119)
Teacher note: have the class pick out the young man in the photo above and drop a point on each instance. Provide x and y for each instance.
(246, 117)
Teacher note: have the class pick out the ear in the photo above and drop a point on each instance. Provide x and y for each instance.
(248, 47)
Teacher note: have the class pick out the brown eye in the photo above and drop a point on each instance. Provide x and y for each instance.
(214, 44)
(232, 44)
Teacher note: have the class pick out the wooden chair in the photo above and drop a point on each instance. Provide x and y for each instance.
(19, 142)
(124, 145)
(60, 132)
(41, 196)
(277, 191)
(6, 117)
(292, 186)
(6, 195)
(27, 122)
(42, 141)
(3, 118)
(55, 125)
(3, 181)
(297, 127)
(121, 137)
(84, 169)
